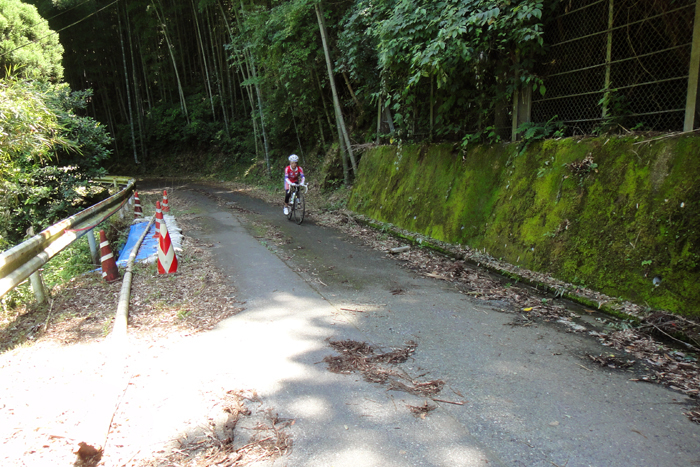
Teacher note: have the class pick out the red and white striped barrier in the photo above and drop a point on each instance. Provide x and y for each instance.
(167, 261)
(164, 205)
(110, 272)
(159, 220)
(138, 212)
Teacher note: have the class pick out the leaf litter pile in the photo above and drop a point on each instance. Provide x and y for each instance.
(380, 368)
(240, 432)
(652, 342)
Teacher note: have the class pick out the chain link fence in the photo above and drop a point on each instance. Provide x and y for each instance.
(617, 63)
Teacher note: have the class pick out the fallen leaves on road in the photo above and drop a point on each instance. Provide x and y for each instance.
(421, 410)
(531, 304)
(363, 358)
(693, 415)
(611, 361)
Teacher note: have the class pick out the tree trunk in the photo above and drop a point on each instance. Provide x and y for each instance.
(254, 75)
(183, 102)
(323, 99)
(296, 130)
(344, 158)
(204, 59)
(262, 116)
(246, 76)
(352, 93)
(128, 91)
(145, 72)
(389, 120)
(231, 87)
(137, 90)
(431, 105)
(111, 125)
(219, 79)
(379, 119)
(336, 102)
(320, 129)
(346, 175)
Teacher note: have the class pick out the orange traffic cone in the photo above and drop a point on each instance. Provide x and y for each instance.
(110, 272)
(138, 212)
(167, 261)
(165, 206)
(159, 220)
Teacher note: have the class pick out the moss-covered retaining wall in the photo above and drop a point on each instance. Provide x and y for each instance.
(620, 215)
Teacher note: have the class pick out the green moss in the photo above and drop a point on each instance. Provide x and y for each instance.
(613, 227)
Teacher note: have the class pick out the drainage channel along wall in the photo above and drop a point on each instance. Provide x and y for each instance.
(620, 215)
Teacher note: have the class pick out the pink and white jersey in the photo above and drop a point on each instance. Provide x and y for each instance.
(292, 176)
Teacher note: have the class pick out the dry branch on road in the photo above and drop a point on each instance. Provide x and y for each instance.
(379, 367)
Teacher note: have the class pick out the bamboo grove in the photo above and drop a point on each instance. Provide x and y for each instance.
(261, 79)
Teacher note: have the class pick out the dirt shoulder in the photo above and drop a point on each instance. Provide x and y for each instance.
(52, 365)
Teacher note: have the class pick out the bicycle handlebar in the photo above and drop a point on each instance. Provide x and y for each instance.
(300, 184)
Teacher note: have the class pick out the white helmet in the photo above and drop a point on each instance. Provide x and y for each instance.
(293, 158)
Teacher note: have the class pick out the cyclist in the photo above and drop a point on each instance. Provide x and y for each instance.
(292, 174)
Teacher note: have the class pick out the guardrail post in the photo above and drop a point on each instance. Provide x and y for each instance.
(38, 286)
(93, 247)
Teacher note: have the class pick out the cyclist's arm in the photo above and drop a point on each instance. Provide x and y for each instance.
(287, 183)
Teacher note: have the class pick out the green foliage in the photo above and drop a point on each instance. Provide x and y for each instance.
(444, 69)
(87, 139)
(30, 126)
(489, 135)
(27, 45)
(469, 51)
(40, 130)
(531, 132)
(72, 261)
(39, 197)
(615, 112)
(69, 263)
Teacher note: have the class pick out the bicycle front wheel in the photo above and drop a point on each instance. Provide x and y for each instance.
(300, 208)
(291, 209)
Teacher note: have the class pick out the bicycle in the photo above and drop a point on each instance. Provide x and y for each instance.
(297, 205)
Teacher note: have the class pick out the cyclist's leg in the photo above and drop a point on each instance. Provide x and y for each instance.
(287, 194)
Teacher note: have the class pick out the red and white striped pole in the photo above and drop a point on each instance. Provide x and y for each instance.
(138, 212)
(159, 220)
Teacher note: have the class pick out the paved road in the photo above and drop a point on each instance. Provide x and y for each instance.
(531, 399)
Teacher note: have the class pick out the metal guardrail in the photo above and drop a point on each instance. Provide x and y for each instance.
(23, 260)
(113, 180)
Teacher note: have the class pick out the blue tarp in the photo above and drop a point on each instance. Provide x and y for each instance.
(149, 247)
